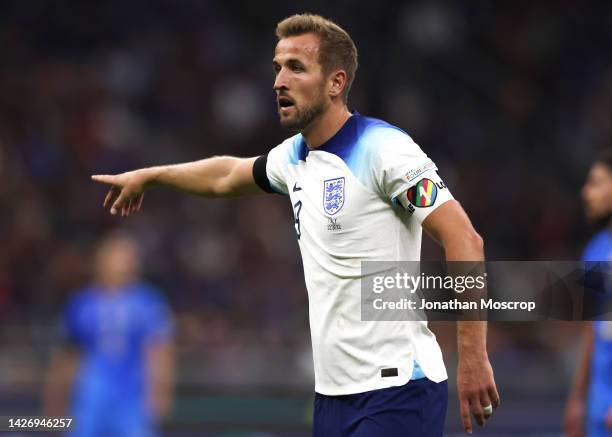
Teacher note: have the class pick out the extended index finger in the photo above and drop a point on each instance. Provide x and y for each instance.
(104, 178)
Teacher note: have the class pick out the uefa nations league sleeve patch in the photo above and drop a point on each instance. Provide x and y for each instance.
(423, 194)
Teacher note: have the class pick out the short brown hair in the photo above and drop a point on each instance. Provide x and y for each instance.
(336, 48)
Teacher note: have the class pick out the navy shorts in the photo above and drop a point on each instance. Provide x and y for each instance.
(417, 409)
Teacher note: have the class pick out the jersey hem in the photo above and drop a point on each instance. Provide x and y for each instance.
(370, 386)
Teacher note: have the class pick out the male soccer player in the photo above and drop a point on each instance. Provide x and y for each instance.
(118, 361)
(592, 389)
(361, 190)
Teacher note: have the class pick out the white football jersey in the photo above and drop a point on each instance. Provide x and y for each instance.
(361, 196)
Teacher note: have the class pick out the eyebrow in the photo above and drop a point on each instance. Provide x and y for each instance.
(288, 61)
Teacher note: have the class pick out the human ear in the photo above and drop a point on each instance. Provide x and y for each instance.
(337, 82)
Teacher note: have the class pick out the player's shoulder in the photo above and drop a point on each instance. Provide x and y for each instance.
(380, 136)
(291, 150)
(82, 301)
(383, 143)
(599, 247)
(373, 123)
(375, 128)
(83, 295)
(146, 295)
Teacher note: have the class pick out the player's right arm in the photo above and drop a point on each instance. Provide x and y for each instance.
(161, 373)
(576, 402)
(221, 176)
(58, 382)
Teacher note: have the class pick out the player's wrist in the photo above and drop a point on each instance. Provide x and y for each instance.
(473, 352)
(473, 348)
(152, 176)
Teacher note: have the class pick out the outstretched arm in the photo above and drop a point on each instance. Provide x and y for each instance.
(221, 176)
(451, 227)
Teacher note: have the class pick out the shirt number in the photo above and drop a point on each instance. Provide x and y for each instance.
(297, 208)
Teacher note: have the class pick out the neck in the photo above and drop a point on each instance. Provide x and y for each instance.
(326, 125)
(113, 283)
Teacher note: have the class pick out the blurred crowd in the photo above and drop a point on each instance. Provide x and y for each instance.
(511, 100)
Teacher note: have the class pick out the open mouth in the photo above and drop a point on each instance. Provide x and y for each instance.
(284, 102)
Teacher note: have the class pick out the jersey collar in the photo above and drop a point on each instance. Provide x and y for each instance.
(340, 143)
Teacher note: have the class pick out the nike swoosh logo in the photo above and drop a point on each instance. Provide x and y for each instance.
(296, 188)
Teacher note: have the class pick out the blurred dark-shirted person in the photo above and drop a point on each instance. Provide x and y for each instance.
(115, 375)
(589, 407)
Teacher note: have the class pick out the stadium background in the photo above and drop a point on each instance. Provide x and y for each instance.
(511, 100)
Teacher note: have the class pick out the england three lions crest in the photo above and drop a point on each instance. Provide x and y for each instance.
(333, 195)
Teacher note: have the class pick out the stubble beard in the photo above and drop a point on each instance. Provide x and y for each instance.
(304, 116)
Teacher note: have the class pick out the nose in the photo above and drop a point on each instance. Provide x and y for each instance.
(280, 82)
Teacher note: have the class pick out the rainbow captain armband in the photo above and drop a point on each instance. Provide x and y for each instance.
(421, 197)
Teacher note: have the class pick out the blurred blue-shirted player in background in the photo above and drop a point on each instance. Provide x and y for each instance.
(589, 407)
(117, 370)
